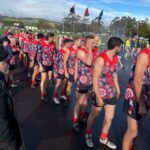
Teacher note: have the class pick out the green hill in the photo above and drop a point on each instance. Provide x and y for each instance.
(26, 21)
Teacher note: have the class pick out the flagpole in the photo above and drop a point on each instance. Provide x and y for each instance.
(73, 18)
(86, 15)
(63, 26)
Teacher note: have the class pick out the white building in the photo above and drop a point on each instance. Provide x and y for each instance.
(1, 25)
(31, 28)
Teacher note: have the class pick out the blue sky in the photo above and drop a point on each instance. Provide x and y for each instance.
(57, 9)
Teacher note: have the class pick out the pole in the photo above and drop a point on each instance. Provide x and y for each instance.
(73, 22)
(87, 27)
(137, 29)
(124, 31)
(100, 27)
(63, 27)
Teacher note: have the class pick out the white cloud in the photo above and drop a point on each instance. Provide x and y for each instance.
(144, 3)
(113, 1)
(56, 10)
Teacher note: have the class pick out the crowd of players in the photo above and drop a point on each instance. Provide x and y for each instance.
(78, 61)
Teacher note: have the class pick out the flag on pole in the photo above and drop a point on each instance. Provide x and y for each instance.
(86, 13)
(72, 9)
(99, 17)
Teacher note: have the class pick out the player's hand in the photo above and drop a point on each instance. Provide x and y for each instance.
(41, 69)
(100, 102)
(66, 75)
(31, 64)
(121, 66)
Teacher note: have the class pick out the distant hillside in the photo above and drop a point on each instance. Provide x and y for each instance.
(25, 21)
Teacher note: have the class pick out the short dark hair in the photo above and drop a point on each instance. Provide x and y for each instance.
(67, 41)
(76, 38)
(40, 35)
(6, 40)
(113, 42)
(49, 35)
(27, 32)
(88, 37)
(30, 30)
(9, 28)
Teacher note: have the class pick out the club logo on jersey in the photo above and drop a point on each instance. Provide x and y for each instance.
(148, 69)
(61, 71)
(102, 92)
(44, 62)
(71, 71)
(83, 79)
(129, 93)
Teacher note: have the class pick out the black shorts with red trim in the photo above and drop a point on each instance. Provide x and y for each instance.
(131, 108)
(60, 76)
(82, 88)
(47, 68)
(12, 67)
(111, 101)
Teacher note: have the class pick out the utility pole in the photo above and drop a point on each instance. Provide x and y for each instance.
(63, 29)
(73, 17)
(137, 29)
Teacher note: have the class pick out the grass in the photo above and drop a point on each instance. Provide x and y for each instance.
(2, 31)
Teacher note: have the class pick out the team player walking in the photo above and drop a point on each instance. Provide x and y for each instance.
(78, 62)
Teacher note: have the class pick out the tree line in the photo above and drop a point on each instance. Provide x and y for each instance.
(129, 27)
(119, 26)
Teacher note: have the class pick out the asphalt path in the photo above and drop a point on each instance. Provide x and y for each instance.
(49, 127)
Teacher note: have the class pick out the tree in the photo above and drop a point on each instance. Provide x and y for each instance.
(76, 23)
(96, 26)
(143, 29)
(128, 27)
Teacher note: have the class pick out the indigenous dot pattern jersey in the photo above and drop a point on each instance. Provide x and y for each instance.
(35, 48)
(85, 72)
(60, 61)
(15, 50)
(106, 84)
(72, 60)
(45, 55)
(130, 94)
(26, 46)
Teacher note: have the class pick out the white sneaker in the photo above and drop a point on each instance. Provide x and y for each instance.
(14, 85)
(108, 143)
(89, 141)
(56, 101)
(63, 97)
(29, 75)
